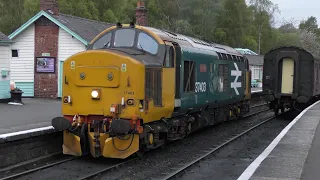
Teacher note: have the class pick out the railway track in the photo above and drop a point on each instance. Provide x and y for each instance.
(16, 175)
(183, 167)
(110, 166)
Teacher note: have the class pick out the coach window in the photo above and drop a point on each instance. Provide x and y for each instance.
(124, 38)
(147, 43)
(169, 57)
(103, 42)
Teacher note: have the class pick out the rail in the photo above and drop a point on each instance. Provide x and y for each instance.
(212, 150)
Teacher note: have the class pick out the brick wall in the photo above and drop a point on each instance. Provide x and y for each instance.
(49, 5)
(46, 41)
(141, 14)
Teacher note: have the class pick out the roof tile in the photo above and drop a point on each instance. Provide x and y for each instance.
(86, 28)
(255, 59)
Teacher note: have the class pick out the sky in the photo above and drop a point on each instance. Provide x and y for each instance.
(297, 9)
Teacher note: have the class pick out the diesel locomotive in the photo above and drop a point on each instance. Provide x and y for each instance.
(290, 78)
(136, 88)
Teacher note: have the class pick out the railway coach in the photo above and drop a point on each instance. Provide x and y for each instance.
(136, 88)
(290, 78)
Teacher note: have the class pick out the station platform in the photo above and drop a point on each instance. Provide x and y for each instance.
(293, 154)
(33, 118)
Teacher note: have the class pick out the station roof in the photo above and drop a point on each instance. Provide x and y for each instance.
(82, 29)
(4, 38)
(256, 60)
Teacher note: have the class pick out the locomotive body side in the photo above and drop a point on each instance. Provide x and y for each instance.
(288, 77)
(136, 88)
(210, 81)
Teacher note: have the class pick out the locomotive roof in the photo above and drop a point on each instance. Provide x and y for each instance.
(317, 58)
(188, 41)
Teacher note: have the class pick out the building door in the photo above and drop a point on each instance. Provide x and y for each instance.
(287, 76)
(60, 79)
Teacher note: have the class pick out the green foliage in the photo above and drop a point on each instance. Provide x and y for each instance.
(229, 22)
(310, 24)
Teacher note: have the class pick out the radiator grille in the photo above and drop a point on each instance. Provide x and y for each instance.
(224, 74)
(154, 86)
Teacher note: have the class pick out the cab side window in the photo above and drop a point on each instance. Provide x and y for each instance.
(169, 59)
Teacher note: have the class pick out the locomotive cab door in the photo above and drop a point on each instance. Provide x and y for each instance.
(172, 65)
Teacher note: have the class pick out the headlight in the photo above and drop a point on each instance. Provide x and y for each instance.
(95, 94)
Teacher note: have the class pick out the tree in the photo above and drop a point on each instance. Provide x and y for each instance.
(288, 28)
(231, 23)
(309, 41)
(264, 11)
(309, 25)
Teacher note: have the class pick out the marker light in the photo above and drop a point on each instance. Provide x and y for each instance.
(95, 94)
(67, 99)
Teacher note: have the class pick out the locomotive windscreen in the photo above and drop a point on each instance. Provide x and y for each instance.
(127, 38)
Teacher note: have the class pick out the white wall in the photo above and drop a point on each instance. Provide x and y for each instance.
(4, 65)
(257, 72)
(5, 56)
(22, 67)
(68, 46)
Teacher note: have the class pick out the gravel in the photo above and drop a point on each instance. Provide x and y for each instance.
(233, 159)
(181, 152)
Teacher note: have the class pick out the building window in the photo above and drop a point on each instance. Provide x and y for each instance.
(256, 72)
(14, 53)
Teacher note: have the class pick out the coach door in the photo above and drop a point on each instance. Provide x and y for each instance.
(287, 76)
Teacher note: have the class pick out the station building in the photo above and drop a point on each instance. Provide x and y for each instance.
(255, 64)
(45, 41)
(5, 45)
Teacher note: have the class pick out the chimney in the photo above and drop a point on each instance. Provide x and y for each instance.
(49, 5)
(141, 14)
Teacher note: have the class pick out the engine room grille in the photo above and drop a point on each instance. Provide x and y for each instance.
(154, 86)
(224, 75)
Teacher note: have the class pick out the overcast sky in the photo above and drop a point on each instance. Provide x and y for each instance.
(297, 9)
